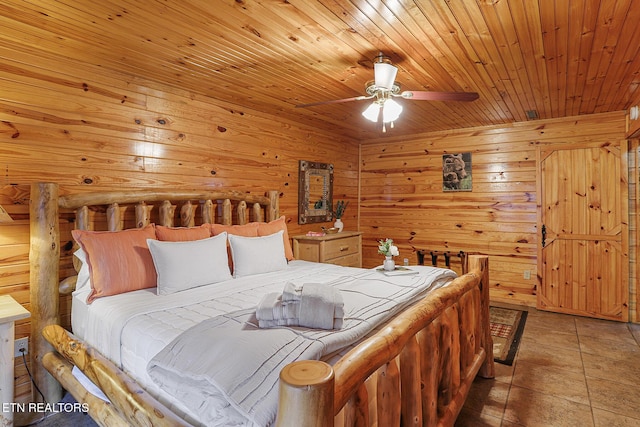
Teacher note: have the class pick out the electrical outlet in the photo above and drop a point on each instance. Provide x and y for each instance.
(527, 274)
(21, 343)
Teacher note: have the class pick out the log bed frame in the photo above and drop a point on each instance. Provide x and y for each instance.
(417, 370)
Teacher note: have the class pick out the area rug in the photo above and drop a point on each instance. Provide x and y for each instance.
(507, 326)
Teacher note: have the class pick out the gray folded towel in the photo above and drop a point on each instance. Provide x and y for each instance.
(271, 307)
(318, 305)
(313, 306)
(291, 292)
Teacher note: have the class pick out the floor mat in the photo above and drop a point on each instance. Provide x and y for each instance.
(507, 326)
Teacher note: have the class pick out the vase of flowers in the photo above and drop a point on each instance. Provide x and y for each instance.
(389, 250)
(341, 206)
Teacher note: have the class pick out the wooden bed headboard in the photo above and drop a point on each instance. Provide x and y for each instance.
(114, 210)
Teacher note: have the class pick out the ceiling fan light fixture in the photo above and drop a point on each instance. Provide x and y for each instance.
(385, 75)
(391, 111)
(372, 111)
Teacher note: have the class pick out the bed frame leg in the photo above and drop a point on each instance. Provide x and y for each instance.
(481, 263)
(44, 272)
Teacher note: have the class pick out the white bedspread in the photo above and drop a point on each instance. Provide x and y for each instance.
(130, 329)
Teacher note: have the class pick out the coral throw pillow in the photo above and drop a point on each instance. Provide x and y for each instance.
(246, 230)
(119, 261)
(182, 234)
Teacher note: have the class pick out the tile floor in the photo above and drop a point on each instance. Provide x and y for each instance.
(569, 371)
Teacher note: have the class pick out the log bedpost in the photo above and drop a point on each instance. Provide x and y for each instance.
(306, 390)
(481, 263)
(274, 206)
(44, 257)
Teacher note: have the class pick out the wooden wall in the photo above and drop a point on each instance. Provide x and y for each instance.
(89, 129)
(402, 197)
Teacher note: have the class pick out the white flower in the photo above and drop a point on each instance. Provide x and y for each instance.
(387, 248)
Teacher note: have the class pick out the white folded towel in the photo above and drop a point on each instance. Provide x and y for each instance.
(291, 292)
(271, 307)
(313, 306)
(318, 305)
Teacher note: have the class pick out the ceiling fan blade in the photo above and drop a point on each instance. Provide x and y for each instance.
(439, 96)
(335, 101)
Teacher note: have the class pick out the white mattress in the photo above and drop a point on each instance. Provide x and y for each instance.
(131, 328)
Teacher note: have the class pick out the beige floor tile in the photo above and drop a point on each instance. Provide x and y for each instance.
(623, 369)
(552, 321)
(557, 357)
(610, 347)
(504, 373)
(487, 397)
(546, 337)
(534, 409)
(605, 329)
(609, 419)
(635, 331)
(614, 397)
(550, 381)
(468, 418)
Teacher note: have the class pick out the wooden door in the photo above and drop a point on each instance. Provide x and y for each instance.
(583, 224)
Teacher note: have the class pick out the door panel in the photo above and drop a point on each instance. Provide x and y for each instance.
(583, 255)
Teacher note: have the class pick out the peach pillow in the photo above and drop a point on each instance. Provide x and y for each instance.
(182, 234)
(119, 261)
(267, 228)
(246, 230)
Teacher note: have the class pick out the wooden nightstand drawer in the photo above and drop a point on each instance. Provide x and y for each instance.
(341, 248)
(352, 260)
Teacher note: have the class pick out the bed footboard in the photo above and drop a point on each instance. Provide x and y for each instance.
(129, 404)
(415, 371)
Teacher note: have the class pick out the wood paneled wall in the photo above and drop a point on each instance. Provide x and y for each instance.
(402, 197)
(88, 129)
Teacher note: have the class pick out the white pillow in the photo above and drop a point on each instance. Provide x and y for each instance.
(84, 275)
(185, 265)
(254, 255)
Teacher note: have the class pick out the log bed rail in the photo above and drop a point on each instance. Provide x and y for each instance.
(417, 370)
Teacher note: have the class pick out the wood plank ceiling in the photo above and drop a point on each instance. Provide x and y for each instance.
(555, 57)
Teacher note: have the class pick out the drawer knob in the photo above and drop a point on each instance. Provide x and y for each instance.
(344, 248)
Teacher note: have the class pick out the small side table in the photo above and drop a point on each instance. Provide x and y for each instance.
(340, 248)
(10, 311)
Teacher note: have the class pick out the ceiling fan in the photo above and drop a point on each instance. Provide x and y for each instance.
(384, 88)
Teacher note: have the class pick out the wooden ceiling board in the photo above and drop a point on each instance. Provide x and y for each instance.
(559, 58)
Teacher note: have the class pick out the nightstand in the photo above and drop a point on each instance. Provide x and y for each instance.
(340, 248)
(10, 311)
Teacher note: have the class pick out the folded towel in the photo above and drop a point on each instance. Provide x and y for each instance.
(291, 292)
(337, 323)
(271, 307)
(313, 305)
(318, 305)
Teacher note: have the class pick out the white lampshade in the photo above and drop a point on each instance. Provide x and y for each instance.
(372, 111)
(4, 216)
(391, 111)
(385, 74)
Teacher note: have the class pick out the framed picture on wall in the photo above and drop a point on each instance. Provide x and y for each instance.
(456, 172)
